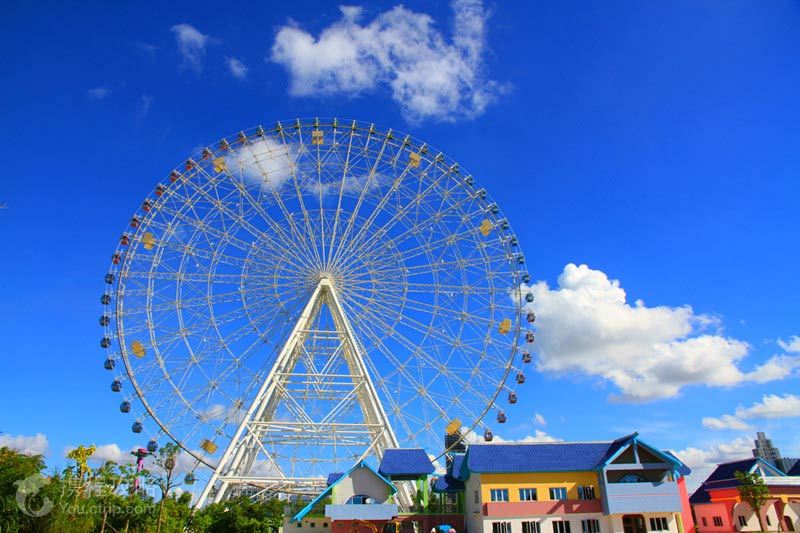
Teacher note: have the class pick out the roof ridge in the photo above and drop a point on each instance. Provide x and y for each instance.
(531, 443)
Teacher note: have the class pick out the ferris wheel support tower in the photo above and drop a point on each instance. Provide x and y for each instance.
(237, 463)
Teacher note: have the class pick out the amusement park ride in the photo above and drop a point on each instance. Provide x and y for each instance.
(297, 298)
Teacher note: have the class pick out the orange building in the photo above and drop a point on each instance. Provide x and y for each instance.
(718, 508)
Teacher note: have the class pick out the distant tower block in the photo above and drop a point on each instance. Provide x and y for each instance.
(766, 451)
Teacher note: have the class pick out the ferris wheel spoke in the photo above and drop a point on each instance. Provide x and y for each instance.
(214, 273)
(364, 189)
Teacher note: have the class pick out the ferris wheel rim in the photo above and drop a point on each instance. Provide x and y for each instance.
(132, 377)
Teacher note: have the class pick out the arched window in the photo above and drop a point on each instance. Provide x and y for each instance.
(631, 478)
(360, 499)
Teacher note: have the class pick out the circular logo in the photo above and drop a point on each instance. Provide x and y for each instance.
(27, 489)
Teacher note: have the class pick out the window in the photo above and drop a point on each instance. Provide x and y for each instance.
(324, 524)
(530, 527)
(312, 524)
(501, 527)
(590, 526)
(705, 522)
(659, 524)
(742, 521)
(631, 478)
(718, 521)
(558, 493)
(499, 495)
(299, 524)
(561, 526)
(527, 495)
(586, 493)
(769, 522)
(477, 497)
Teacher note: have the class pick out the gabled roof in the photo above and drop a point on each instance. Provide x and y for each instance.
(724, 476)
(405, 462)
(458, 462)
(700, 496)
(682, 468)
(448, 484)
(535, 457)
(553, 456)
(324, 494)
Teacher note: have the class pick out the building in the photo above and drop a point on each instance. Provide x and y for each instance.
(718, 508)
(766, 451)
(367, 499)
(624, 485)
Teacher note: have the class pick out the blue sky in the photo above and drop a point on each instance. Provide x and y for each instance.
(655, 143)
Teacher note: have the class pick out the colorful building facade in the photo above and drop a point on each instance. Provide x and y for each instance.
(718, 507)
(624, 485)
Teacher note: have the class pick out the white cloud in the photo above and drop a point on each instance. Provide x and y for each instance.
(98, 93)
(147, 48)
(265, 161)
(191, 45)
(792, 345)
(25, 444)
(725, 422)
(539, 419)
(770, 406)
(145, 103)
(540, 436)
(703, 461)
(586, 324)
(430, 78)
(111, 452)
(237, 68)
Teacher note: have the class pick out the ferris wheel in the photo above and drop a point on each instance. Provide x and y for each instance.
(296, 298)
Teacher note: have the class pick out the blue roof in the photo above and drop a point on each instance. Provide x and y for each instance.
(700, 496)
(536, 457)
(405, 462)
(682, 468)
(455, 468)
(795, 470)
(448, 484)
(553, 456)
(724, 476)
(333, 477)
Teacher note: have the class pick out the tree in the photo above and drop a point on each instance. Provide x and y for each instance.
(754, 491)
(14, 469)
(164, 480)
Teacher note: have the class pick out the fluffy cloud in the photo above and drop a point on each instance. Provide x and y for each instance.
(236, 68)
(702, 461)
(98, 93)
(265, 161)
(25, 444)
(191, 45)
(540, 436)
(792, 345)
(770, 406)
(586, 324)
(430, 78)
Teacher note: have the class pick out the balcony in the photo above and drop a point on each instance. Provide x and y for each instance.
(520, 509)
(367, 511)
(643, 497)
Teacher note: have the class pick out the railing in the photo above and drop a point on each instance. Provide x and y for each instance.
(643, 497)
(367, 511)
(516, 509)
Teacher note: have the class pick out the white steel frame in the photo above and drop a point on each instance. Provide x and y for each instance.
(235, 465)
